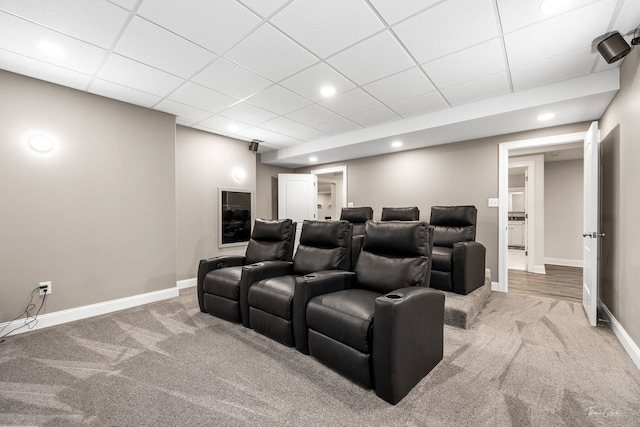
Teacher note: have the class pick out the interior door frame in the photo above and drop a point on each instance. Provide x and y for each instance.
(336, 169)
(503, 194)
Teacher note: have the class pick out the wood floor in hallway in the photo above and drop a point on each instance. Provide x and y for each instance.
(560, 282)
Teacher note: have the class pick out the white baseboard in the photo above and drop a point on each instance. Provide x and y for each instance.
(624, 338)
(495, 286)
(84, 312)
(565, 262)
(187, 283)
(539, 269)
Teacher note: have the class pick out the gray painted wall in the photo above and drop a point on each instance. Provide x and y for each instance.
(96, 216)
(619, 130)
(267, 190)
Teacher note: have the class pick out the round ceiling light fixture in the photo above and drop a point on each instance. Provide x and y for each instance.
(41, 143)
(396, 144)
(313, 159)
(327, 91)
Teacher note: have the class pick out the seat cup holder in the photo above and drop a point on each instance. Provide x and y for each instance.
(394, 297)
(310, 276)
(257, 264)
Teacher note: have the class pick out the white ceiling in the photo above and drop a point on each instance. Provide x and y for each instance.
(423, 71)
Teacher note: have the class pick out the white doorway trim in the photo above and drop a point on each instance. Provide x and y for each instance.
(336, 169)
(530, 179)
(503, 194)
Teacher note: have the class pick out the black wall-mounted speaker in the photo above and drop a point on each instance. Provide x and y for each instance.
(613, 48)
(254, 145)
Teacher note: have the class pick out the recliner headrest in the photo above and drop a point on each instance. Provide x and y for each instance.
(398, 238)
(271, 229)
(453, 216)
(400, 214)
(325, 234)
(357, 215)
(271, 239)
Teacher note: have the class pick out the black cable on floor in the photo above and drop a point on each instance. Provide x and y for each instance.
(30, 321)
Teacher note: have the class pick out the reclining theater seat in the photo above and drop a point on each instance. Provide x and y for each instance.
(358, 218)
(385, 330)
(458, 260)
(400, 214)
(276, 308)
(223, 281)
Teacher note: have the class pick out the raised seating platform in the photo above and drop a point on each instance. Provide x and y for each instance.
(462, 310)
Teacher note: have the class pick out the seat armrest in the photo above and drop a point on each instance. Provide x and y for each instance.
(252, 273)
(468, 266)
(209, 264)
(309, 286)
(408, 339)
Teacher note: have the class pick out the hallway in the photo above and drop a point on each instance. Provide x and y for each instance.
(560, 282)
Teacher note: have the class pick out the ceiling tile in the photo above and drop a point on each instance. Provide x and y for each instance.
(375, 117)
(248, 113)
(448, 27)
(468, 64)
(214, 25)
(518, 14)
(155, 46)
(184, 112)
(94, 21)
(486, 87)
(80, 56)
(41, 70)
(202, 98)
(285, 126)
(264, 7)
(231, 79)
(268, 136)
(404, 85)
(375, 58)
(629, 17)
(419, 105)
(223, 124)
(552, 38)
(339, 126)
(325, 27)
(307, 83)
(270, 54)
(393, 11)
(135, 75)
(122, 93)
(127, 4)
(553, 70)
(313, 115)
(353, 102)
(279, 100)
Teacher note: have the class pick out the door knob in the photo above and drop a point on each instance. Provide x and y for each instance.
(586, 234)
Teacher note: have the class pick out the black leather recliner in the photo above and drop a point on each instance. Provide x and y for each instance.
(358, 218)
(278, 304)
(223, 281)
(411, 213)
(458, 260)
(384, 329)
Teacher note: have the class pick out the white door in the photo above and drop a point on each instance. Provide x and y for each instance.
(297, 198)
(591, 223)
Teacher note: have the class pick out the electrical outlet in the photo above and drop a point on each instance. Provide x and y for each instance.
(47, 290)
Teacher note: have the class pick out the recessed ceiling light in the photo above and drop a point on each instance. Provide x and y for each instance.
(546, 116)
(51, 49)
(41, 143)
(328, 91)
(396, 144)
(313, 159)
(554, 6)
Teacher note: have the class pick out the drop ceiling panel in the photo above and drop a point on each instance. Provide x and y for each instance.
(269, 53)
(353, 102)
(448, 27)
(469, 64)
(486, 87)
(313, 115)
(393, 11)
(214, 25)
(201, 97)
(247, 113)
(308, 83)
(264, 7)
(404, 85)
(551, 37)
(421, 104)
(135, 75)
(96, 21)
(279, 100)
(127, 4)
(224, 125)
(285, 126)
(79, 56)
(41, 70)
(325, 27)
(519, 14)
(231, 79)
(629, 17)
(267, 135)
(339, 126)
(375, 58)
(122, 93)
(161, 49)
(184, 112)
(552, 70)
(374, 117)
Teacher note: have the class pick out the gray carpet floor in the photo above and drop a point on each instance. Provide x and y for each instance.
(526, 361)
